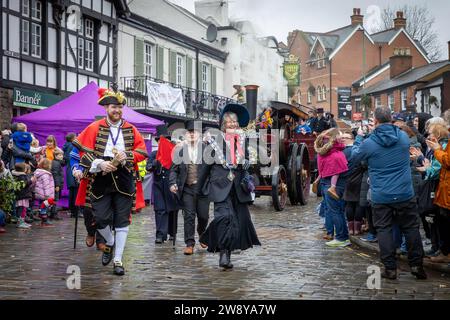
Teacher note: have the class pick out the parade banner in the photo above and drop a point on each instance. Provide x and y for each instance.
(164, 97)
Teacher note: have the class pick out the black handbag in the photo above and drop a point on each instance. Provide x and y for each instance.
(426, 195)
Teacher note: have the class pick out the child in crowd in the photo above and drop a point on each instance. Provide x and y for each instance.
(23, 194)
(58, 178)
(44, 189)
(22, 139)
(50, 147)
(331, 161)
(302, 127)
(36, 150)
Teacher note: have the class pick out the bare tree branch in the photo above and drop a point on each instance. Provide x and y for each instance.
(419, 25)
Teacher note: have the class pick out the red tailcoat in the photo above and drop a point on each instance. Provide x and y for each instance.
(92, 142)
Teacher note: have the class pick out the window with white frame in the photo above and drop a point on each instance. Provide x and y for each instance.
(180, 70)
(324, 93)
(391, 101)
(86, 42)
(377, 101)
(81, 53)
(205, 77)
(404, 99)
(148, 59)
(31, 28)
(309, 96)
(426, 102)
(319, 93)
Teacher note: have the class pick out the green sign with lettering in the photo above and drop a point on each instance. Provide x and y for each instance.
(34, 99)
(291, 70)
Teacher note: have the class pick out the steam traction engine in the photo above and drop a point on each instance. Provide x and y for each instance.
(291, 178)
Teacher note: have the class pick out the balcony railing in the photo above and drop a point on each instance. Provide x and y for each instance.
(199, 104)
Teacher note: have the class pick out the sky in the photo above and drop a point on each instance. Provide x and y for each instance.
(278, 17)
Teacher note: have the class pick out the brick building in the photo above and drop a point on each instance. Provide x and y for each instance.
(401, 86)
(333, 61)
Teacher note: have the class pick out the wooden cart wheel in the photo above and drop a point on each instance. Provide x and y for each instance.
(303, 181)
(279, 188)
(292, 174)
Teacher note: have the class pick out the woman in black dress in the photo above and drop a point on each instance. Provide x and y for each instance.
(227, 184)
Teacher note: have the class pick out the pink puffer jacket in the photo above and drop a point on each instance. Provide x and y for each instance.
(45, 186)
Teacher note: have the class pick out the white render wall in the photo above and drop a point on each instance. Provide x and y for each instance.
(126, 55)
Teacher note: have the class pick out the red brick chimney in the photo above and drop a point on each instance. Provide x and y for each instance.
(400, 62)
(399, 22)
(357, 18)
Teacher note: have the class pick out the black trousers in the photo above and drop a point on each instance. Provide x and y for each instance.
(166, 223)
(444, 230)
(194, 206)
(353, 211)
(113, 209)
(369, 217)
(91, 228)
(406, 216)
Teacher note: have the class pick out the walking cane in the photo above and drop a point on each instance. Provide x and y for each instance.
(175, 216)
(75, 233)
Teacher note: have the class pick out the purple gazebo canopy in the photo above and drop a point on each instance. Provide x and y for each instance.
(75, 113)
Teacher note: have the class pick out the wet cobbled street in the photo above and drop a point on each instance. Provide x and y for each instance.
(292, 263)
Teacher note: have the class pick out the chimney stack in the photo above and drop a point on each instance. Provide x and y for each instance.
(400, 62)
(400, 21)
(357, 18)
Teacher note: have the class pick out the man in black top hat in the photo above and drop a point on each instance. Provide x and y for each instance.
(322, 123)
(164, 202)
(183, 181)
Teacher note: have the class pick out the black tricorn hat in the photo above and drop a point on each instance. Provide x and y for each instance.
(190, 125)
(319, 110)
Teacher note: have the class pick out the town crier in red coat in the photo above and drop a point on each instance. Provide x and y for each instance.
(110, 149)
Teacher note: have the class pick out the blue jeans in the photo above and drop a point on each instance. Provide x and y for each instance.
(335, 211)
(2, 218)
(325, 213)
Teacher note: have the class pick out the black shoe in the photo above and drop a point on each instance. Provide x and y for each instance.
(389, 274)
(107, 255)
(418, 272)
(224, 260)
(118, 269)
(159, 241)
(55, 217)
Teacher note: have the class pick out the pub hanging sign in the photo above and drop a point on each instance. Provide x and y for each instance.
(291, 71)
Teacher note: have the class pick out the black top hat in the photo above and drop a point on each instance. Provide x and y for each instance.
(319, 110)
(162, 130)
(191, 125)
(241, 112)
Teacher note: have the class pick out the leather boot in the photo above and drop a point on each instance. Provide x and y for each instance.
(351, 228)
(224, 261)
(230, 265)
(357, 228)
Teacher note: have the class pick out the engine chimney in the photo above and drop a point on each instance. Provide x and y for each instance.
(251, 92)
(357, 18)
(400, 21)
